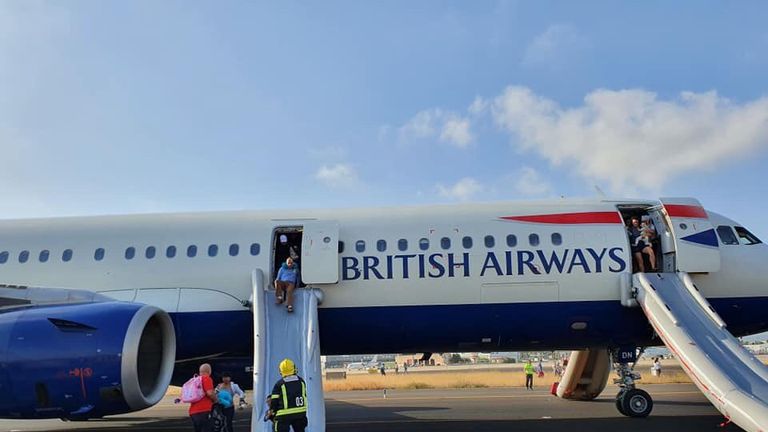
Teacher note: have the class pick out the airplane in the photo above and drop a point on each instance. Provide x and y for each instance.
(373, 363)
(98, 315)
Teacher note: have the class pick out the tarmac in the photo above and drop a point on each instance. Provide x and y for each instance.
(677, 408)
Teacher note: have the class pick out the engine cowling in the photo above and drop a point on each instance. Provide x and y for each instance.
(84, 360)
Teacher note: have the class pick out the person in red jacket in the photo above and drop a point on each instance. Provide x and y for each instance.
(200, 411)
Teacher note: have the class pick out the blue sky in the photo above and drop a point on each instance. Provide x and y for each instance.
(115, 107)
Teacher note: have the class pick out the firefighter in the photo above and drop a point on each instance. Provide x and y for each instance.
(288, 401)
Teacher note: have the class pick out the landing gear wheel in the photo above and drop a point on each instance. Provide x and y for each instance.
(620, 403)
(636, 403)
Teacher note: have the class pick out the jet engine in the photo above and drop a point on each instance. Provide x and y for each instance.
(80, 361)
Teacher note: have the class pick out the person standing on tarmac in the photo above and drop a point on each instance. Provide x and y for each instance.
(288, 401)
(200, 411)
(529, 370)
(229, 389)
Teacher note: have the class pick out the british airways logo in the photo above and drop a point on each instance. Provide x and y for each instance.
(507, 263)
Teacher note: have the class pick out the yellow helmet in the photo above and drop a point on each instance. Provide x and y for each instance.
(287, 367)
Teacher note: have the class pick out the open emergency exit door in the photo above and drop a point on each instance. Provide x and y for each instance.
(696, 247)
(319, 252)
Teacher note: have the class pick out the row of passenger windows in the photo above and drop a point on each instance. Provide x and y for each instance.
(467, 242)
(130, 253)
(233, 250)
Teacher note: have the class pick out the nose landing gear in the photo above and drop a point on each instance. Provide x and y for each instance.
(630, 401)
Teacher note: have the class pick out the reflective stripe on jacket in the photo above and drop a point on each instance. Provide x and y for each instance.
(289, 396)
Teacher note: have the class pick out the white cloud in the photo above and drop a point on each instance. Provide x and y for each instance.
(448, 127)
(339, 175)
(462, 190)
(630, 139)
(478, 106)
(456, 132)
(529, 182)
(422, 125)
(554, 47)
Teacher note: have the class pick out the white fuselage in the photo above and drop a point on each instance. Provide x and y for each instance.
(504, 262)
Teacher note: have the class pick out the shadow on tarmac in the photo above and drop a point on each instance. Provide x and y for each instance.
(650, 424)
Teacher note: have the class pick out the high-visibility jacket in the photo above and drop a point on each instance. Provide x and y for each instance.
(289, 397)
(528, 368)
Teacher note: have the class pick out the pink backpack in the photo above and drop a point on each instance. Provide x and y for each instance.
(192, 390)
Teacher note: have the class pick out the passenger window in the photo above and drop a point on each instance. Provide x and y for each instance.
(3, 257)
(381, 245)
(511, 240)
(170, 251)
(213, 250)
(234, 249)
(66, 256)
(255, 249)
(44, 255)
(727, 237)
(192, 251)
(360, 246)
(24, 256)
(423, 243)
(98, 255)
(150, 252)
(467, 242)
(402, 245)
(557, 239)
(533, 239)
(130, 253)
(490, 241)
(445, 243)
(746, 237)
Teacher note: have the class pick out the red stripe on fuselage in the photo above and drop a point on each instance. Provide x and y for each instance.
(570, 218)
(685, 211)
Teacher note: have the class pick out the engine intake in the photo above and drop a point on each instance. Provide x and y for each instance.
(82, 361)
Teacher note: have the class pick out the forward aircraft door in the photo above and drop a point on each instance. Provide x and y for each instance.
(319, 252)
(696, 247)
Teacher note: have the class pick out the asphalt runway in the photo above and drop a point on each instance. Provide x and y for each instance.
(677, 408)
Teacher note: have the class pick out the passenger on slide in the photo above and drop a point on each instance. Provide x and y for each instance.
(286, 281)
(639, 247)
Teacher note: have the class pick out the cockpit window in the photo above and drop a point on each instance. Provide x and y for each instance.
(727, 237)
(746, 237)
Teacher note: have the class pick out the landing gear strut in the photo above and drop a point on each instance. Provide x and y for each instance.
(630, 401)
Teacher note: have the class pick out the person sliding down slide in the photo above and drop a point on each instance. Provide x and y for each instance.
(286, 281)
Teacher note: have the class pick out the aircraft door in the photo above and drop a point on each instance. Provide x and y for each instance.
(696, 246)
(319, 252)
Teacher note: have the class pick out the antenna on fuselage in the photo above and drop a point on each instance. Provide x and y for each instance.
(600, 191)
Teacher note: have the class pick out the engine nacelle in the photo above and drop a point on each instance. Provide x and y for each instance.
(83, 361)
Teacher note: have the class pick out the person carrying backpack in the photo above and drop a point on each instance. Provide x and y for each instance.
(288, 401)
(198, 392)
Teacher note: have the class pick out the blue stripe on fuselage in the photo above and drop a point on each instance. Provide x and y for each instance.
(457, 328)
